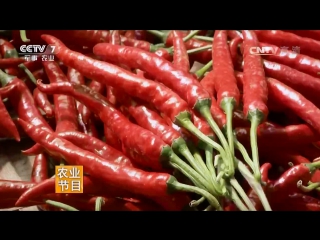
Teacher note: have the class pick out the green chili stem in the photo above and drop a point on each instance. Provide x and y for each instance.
(220, 175)
(5, 78)
(160, 45)
(209, 208)
(209, 162)
(174, 159)
(192, 179)
(256, 186)
(244, 153)
(255, 121)
(156, 33)
(196, 203)
(188, 125)
(228, 108)
(203, 70)
(235, 184)
(216, 160)
(309, 188)
(200, 49)
(205, 112)
(237, 201)
(60, 205)
(23, 36)
(29, 74)
(210, 198)
(204, 38)
(99, 203)
(191, 35)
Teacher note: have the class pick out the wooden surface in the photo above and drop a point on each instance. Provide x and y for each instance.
(14, 165)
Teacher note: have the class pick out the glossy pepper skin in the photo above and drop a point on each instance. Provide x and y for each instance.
(185, 85)
(303, 83)
(180, 55)
(42, 102)
(163, 53)
(65, 109)
(40, 168)
(8, 128)
(299, 62)
(116, 121)
(7, 50)
(10, 62)
(130, 179)
(163, 98)
(307, 46)
(13, 189)
(313, 34)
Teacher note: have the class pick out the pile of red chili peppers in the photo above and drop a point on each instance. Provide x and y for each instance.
(240, 133)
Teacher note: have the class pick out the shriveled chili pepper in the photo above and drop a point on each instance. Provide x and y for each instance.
(10, 62)
(225, 83)
(158, 153)
(307, 46)
(303, 83)
(180, 55)
(64, 106)
(151, 121)
(6, 124)
(255, 93)
(183, 83)
(42, 101)
(40, 168)
(130, 179)
(164, 99)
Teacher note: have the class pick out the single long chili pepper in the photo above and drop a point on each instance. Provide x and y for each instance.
(64, 106)
(13, 189)
(40, 168)
(131, 179)
(10, 62)
(22, 101)
(225, 83)
(42, 101)
(313, 34)
(255, 95)
(180, 55)
(299, 62)
(6, 124)
(151, 121)
(164, 99)
(183, 83)
(158, 153)
(307, 46)
(303, 83)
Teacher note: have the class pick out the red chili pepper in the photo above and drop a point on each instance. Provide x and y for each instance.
(10, 62)
(8, 128)
(225, 83)
(234, 52)
(112, 139)
(164, 53)
(255, 93)
(22, 101)
(7, 50)
(164, 99)
(14, 189)
(239, 120)
(144, 45)
(40, 168)
(32, 66)
(303, 83)
(180, 55)
(65, 109)
(294, 60)
(181, 82)
(130, 179)
(41, 100)
(298, 202)
(314, 34)
(310, 152)
(130, 34)
(279, 38)
(110, 96)
(232, 34)
(289, 135)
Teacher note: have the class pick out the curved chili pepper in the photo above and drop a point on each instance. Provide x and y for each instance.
(255, 93)
(41, 100)
(279, 38)
(157, 152)
(8, 128)
(225, 83)
(163, 98)
(183, 83)
(22, 101)
(180, 55)
(297, 61)
(303, 83)
(40, 168)
(130, 179)
(64, 106)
